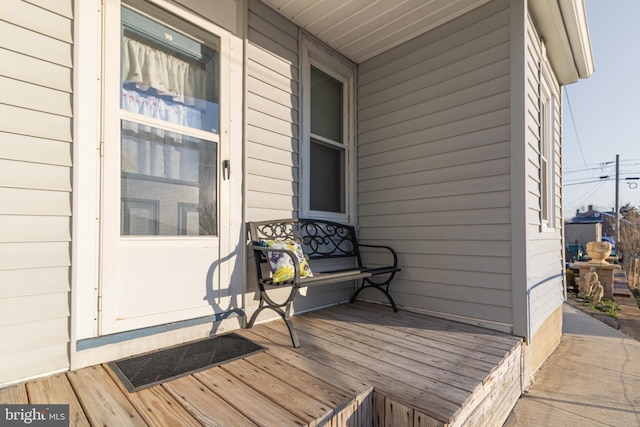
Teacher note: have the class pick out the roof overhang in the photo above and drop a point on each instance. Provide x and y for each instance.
(563, 26)
(362, 29)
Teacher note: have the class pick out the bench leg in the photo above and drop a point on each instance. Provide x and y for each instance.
(287, 320)
(255, 316)
(266, 302)
(292, 330)
(378, 287)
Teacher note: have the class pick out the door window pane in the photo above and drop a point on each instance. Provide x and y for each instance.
(172, 184)
(327, 178)
(167, 75)
(326, 106)
(169, 176)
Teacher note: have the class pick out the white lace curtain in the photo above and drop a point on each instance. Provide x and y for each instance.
(148, 67)
(184, 84)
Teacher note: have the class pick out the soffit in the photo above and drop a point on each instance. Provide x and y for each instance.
(362, 29)
(564, 28)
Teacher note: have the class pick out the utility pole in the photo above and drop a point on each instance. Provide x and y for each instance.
(617, 201)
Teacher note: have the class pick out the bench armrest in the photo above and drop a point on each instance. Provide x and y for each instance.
(393, 252)
(296, 264)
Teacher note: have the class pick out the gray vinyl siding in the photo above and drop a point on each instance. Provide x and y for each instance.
(272, 103)
(544, 263)
(273, 138)
(434, 165)
(35, 186)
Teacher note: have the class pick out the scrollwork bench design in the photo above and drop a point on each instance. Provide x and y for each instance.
(319, 239)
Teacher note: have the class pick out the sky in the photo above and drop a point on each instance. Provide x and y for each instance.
(601, 116)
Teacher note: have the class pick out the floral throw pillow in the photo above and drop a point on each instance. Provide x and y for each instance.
(281, 263)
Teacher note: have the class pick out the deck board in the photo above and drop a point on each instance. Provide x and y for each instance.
(205, 406)
(322, 391)
(102, 400)
(15, 395)
(56, 389)
(455, 333)
(358, 364)
(395, 342)
(281, 349)
(305, 406)
(156, 405)
(391, 384)
(388, 357)
(441, 336)
(255, 406)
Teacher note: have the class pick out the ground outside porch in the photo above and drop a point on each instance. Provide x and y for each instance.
(628, 321)
(358, 365)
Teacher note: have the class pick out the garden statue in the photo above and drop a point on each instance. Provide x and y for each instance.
(596, 293)
(590, 286)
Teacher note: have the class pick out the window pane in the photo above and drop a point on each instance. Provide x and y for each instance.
(168, 76)
(326, 106)
(544, 189)
(168, 183)
(545, 150)
(139, 217)
(327, 178)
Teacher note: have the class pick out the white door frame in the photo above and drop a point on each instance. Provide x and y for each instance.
(89, 51)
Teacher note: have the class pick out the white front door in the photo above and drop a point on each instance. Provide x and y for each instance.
(165, 169)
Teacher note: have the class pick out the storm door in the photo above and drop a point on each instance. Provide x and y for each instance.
(164, 182)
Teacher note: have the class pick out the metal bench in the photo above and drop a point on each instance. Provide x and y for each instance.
(319, 240)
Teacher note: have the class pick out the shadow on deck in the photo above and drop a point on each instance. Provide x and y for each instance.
(359, 365)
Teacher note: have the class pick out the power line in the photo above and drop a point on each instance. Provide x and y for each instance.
(601, 179)
(589, 182)
(582, 170)
(575, 129)
(588, 194)
(603, 172)
(631, 180)
(596, 166)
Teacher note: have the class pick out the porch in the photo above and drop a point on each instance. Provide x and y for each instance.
(359, 364)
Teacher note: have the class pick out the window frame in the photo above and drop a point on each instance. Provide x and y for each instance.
(138, 17)
(113, 113)
(546, 154)
(314, 54)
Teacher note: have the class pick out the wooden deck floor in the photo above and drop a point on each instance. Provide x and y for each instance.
(359, 365)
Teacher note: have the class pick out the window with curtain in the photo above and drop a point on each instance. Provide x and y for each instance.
(169, 128)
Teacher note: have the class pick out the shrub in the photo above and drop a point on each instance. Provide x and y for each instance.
(571, 278)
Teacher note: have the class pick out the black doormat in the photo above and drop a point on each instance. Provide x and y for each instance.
(143, 371)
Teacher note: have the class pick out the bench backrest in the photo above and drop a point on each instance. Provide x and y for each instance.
(319, 239)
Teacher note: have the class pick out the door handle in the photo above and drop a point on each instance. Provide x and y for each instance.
(226, 169)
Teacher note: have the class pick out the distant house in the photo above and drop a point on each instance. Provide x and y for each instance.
(607, 223)
(592, 216)
(137, 138)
